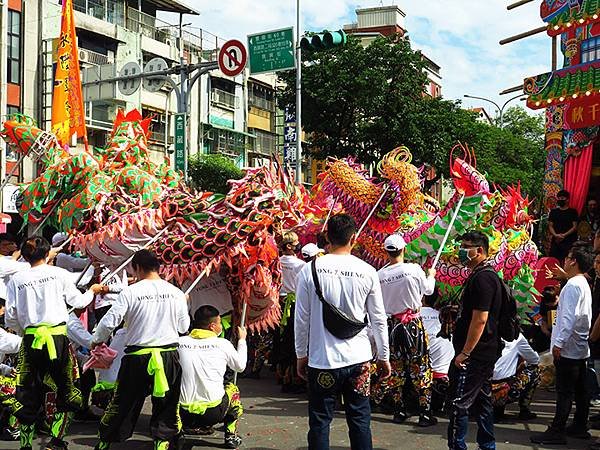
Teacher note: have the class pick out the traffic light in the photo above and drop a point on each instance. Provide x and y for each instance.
(323, 41)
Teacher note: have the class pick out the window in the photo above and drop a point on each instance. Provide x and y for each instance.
(590, 49)
(14, 47)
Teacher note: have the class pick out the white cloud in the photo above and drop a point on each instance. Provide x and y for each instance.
(460, 35)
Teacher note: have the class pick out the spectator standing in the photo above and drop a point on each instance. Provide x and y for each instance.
(562, 224)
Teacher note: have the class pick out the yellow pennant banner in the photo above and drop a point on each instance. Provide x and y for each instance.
(68, 116)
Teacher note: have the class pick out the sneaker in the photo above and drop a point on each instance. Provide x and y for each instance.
(526, 414)
(427, 420)
(85, 416)
(25, 448)
(200, 431)
(11, 434)
(232, 441)
(549, 437)
(400, 417)
(595, 402)
(577, 432)
(57, 444)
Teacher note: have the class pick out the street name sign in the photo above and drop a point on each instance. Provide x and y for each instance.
(271, 51)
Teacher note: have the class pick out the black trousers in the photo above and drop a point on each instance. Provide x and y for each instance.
(34, 366)
(571, 383)
(134, 384)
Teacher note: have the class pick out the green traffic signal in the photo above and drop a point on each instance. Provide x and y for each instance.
(323, 41)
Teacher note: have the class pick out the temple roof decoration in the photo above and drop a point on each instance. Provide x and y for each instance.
(561, 15)
(556, 87)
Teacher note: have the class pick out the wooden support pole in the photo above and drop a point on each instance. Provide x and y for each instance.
(517, 4)
(512, 89)
(554, 53)
(524, 35)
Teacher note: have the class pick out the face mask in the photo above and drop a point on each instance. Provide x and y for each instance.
(463, 256)
(561, 203)
(297, 248)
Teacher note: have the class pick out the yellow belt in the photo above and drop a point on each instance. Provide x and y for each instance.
(156, 368)
(42, 335)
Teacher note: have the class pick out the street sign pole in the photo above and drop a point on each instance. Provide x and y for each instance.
(298, 98)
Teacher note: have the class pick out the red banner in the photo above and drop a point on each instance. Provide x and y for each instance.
(581, 112)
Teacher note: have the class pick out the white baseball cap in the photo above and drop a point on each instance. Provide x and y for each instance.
(59, 238)
(310, 250)
(394, 243)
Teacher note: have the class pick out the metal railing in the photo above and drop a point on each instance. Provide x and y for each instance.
(108, 10)
(263, 143)
(262, 103)
(223, 98)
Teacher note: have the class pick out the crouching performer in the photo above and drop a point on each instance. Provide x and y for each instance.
(205, 399)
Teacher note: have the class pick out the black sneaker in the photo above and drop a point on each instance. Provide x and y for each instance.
(11, 434)
(577, 432)
(232, 441)
(526, 414)
(427, 420)
(57, 444)
(25, 448)
(200, 431)
(549, 437)
(400, 417)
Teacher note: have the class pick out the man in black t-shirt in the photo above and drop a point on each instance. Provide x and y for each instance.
(562, 225)
(477, 346)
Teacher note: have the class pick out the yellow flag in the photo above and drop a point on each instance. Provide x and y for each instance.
(68, 116)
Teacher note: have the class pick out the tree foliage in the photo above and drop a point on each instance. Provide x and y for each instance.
(365, 101)
(211, 172)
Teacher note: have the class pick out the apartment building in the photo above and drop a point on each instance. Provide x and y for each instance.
(372, 23)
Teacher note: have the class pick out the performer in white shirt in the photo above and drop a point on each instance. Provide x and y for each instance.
(514, 381)
(156, 313)
(403, 286)
(37, 307)
(335, 365)
(284, 355)
(205, 399)
(570, 349)
(441, 354)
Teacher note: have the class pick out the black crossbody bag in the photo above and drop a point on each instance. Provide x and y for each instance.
(336, 321)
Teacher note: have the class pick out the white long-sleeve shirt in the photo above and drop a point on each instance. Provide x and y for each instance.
(117, 343)
(8, 267)
(154, 311)
(403, 286)
(71, 263)
(573, 319)
(441, 351)
(353, 286)
(203, 365)
(290, 268)
(210, 291)
(40, 295)
(77, 333)
(506, 366)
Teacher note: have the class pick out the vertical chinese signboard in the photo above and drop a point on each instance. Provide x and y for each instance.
(289, 136)
(180, 126)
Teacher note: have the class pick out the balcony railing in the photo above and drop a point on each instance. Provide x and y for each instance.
(262, 103)
(223, 98)
(113, 11)
(108, 10)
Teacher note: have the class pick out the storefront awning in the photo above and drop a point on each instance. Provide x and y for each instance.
(217, 127)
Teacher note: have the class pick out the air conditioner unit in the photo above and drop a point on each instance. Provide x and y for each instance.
(84, 56)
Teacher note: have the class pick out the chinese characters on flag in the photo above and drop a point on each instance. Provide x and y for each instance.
(67, 98)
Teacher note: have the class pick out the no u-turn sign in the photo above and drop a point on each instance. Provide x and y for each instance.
(232, 58)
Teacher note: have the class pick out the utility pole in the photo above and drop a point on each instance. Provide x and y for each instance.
(298, 98)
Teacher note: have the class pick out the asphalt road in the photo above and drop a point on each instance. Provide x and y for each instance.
(276, 421)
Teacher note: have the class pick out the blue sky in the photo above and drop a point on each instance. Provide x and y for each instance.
(460, 35)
